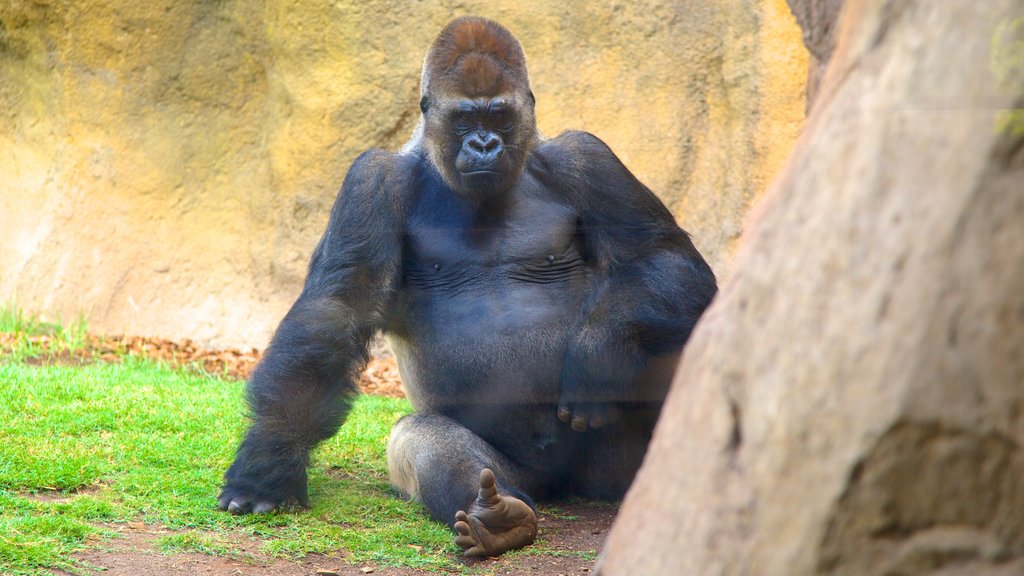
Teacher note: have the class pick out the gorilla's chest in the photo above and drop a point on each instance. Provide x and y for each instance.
(531, 236)
(488, 300)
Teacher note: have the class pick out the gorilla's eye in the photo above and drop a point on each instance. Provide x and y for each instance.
(502, 120)
(424, 104)
(462, 122)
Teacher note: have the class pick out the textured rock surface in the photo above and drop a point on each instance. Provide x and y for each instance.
(853, 402)
(166, 167)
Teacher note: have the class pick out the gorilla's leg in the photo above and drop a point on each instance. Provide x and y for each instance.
(463, 481)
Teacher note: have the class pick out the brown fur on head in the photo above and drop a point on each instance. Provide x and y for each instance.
(475, 57)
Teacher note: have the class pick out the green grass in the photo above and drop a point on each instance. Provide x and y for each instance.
(85, 448)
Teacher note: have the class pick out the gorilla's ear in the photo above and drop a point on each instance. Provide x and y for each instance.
(532, 97)
(424, 104)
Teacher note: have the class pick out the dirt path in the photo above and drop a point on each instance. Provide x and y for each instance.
(570, 540)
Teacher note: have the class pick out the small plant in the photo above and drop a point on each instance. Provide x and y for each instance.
(14, 320)
(25, 336)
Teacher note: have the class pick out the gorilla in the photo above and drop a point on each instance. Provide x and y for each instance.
(536, 294)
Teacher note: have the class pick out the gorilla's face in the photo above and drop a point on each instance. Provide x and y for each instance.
(479, 133)
(481, 127)
(479, 144)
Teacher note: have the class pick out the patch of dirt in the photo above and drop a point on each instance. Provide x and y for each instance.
(566, 544)
(54, 495)
(380, 376)
(136, 552)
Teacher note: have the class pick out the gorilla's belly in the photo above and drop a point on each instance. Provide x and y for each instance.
(491, 359)
(485, 343)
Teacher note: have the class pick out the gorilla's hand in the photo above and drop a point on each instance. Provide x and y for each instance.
(596, 378)
(240, 501)
(267, 474)
(584, 415)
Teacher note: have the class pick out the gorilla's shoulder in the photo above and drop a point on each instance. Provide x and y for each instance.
(574, 151)
(579, 145)
(381, 170)
(574, 158)
(380, 162)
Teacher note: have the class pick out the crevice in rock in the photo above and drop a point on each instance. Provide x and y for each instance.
(736, 436)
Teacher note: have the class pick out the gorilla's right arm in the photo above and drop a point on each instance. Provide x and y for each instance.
(303, 387)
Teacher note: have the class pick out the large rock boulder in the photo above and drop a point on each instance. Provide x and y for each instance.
(167, 167)
(853, 401)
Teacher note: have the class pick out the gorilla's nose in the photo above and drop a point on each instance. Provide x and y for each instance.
(480, 154)
(485, 144)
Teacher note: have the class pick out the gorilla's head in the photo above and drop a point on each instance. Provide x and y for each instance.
(478, 110)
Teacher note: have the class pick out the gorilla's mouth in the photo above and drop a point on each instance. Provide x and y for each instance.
(481, 181)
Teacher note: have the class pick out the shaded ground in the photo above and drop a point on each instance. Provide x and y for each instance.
(568, 541)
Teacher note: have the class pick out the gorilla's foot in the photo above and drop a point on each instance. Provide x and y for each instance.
(495, 523)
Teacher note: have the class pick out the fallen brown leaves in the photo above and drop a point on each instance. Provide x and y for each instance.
(380, 376)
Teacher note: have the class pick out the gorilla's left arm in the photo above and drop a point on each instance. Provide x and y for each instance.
(649, 285)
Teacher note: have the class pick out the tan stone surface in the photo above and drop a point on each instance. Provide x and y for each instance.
(853, 401)
(166, 167)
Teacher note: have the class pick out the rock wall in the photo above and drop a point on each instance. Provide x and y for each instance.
(853, 401)
(166, 167)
